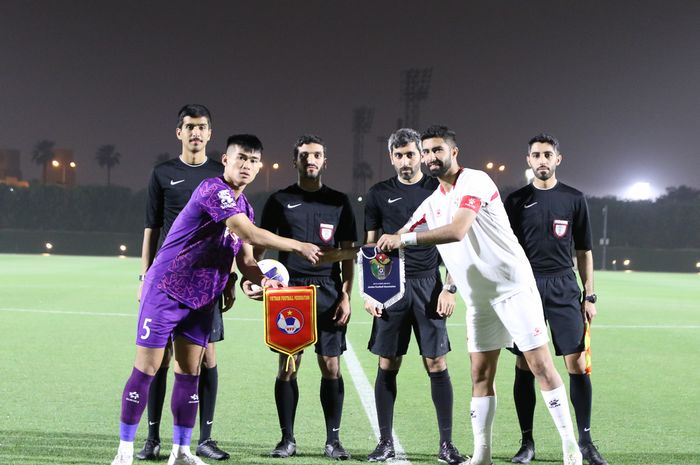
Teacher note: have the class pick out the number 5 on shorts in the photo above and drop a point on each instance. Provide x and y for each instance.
(146, 328)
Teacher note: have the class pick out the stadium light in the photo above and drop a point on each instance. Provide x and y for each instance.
(72, 164)
(697, 265)
(48, 245)
(122, 248)
(489, 165)
(641, 190)
(626, 262)
(359, 198)
(55, 163)
(275, 166)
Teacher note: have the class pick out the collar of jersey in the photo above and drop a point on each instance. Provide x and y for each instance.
(442, 189)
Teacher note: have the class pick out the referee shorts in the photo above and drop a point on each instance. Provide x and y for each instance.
(217, 324)
(417, 310)
(561, 301)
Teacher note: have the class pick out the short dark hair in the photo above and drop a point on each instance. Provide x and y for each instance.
(544, 138)
(442, 132)
(248, 142)
(308, 139)
(402, 137)
(193, 110)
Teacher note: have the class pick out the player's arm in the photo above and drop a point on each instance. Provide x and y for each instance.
(248, 266)
(151, 233)
(148, 253)
(453, 232)
(446, 299)
(347, 269)
(248, 232)
(229, 293)
(584, 263)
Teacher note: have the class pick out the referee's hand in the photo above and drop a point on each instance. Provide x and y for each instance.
(372, 310)
(446, 304)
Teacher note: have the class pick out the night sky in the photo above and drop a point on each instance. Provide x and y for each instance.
(617, 82)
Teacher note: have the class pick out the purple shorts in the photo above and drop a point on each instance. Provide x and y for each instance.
(161, 316)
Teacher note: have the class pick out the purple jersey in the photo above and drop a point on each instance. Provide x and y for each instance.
(195, 260)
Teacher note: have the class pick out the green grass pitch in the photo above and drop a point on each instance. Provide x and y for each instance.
(67, 328)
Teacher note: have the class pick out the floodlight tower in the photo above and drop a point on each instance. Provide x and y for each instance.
(361, 124)
(415, 87)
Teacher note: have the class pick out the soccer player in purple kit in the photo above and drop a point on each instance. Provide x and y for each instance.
(181, 289)
(170, 187)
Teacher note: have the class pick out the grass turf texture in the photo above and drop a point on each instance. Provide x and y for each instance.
(68, 328)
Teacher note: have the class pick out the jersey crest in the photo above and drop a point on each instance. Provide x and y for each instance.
(326, 232)
(560, 228)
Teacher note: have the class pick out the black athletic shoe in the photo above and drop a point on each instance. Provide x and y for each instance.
(285, 448)
(450, 455)
(526, 453)
(335, 451)
(150, 451)
(210, 449)
(591, 454)
(383, 451)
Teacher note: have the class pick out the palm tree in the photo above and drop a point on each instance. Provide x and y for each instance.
(107, 157)
(42, 155)
(161, 158)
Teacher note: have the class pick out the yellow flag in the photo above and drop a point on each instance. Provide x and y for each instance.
(587, 346)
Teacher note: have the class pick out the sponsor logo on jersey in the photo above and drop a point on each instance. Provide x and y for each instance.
(326, 231)
(470, 202)
(226, 199)
(173, 182)
(394, 200)
(560, 227)
(530, 205)
(290, 321)
(290, 206)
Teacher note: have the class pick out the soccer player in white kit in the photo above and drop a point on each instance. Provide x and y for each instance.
(466, 219)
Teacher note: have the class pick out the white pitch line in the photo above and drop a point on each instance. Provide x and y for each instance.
(366, 393)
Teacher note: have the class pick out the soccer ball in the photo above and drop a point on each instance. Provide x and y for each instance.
(274, 270)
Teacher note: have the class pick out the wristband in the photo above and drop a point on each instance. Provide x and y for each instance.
(409, 239)
(142, 277)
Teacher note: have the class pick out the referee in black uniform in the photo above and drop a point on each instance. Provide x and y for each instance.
(548, 217)
(424, 307)
(313, 212)
(169, 189)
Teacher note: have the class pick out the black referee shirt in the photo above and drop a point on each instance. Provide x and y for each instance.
(390, 205)
(323, 217)
(170, 188)
(547, 223)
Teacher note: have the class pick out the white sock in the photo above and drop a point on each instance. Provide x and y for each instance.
(483, 411)
(558, 405)
(126, 448)
(179, 451)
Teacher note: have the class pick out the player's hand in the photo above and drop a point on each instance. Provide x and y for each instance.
(269, 283)
(255, 293)
(139, 290)
(373, 310)
(310, 252)
(446, 304)
(230, 292)
(389, 242)
(589, 310)
(342, 311)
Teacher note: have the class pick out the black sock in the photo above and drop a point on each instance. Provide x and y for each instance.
(295, 392)
(286, 406)
(443, 398)
(582, 400)
(156, 399)
(384, 399)
(525, 400)
(332, 396)
(208, 387)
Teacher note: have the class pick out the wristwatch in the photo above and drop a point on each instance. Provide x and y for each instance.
(591, 298)
(451, 288)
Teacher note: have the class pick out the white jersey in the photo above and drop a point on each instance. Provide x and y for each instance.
(489, 264)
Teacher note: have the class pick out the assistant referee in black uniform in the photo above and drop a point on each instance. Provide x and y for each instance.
(312, 212)
(169, 189)
(424, 307)
(548, 217)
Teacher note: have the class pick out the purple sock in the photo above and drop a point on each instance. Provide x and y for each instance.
(134, 400)
(184, 405)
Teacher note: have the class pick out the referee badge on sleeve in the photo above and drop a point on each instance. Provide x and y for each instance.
(560, 228)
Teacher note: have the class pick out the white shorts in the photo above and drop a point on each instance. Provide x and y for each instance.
(518, 318)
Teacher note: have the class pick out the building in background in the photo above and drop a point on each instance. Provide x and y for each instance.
(10, 173)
